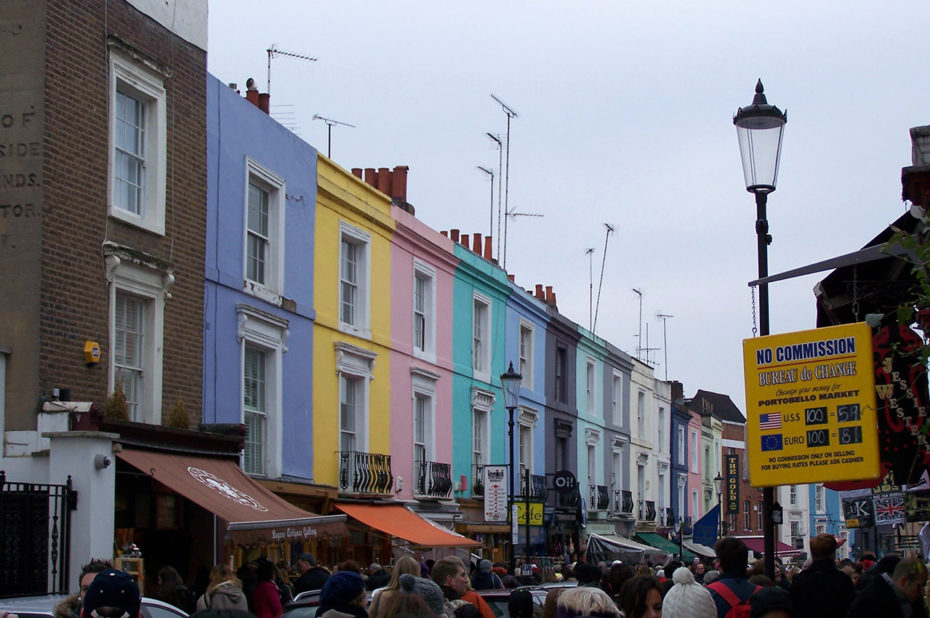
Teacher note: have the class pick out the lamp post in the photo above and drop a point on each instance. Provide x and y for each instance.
(510, 385)
(759, 127)
(718, 485)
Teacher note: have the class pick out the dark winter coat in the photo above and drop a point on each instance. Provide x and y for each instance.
(822, 591)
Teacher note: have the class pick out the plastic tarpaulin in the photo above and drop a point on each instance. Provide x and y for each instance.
(701, 550)
(660, 542)
(610, 547)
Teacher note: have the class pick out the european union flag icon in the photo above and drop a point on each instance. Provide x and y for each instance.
(772, 442)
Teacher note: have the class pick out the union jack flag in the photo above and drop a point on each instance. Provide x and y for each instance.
(889, 508)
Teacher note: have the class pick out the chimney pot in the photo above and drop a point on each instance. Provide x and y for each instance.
(264, 102)
(357, 172)
(454, 234)
(400, 182)
(487, 248)
(371, 176)
(476, 243)
(251, 95)
(465, 240)
(539, 292)
(384, 180)
(444, 233)
(511, 278)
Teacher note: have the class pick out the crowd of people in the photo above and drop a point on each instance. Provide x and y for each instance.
(727, 587)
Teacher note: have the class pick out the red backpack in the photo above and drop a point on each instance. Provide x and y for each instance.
(738, 607)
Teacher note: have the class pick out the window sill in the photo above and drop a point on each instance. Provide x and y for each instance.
(260, 291)
(147, 224)
(363, 333)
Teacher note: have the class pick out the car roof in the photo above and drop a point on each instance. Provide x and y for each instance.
(44, 604)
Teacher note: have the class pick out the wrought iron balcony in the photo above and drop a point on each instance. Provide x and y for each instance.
(569, 500)
(650, 510)
(477, 480)
(688, 524)
(598, 497)
(365, 473)
(623, 501)
(641, 510)
(537, 489)
(669, 517)
(433, 479)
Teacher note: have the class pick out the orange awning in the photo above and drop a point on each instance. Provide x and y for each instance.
(254, 514)
(397, 520)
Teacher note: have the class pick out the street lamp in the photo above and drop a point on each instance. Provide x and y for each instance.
(759, 127)
(510, 385)
(718, 485)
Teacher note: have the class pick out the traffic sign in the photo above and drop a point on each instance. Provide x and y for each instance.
(810, 406)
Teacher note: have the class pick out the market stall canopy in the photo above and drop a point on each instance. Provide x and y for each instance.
(756, 545)
(254, 514)
(660, 542)
(701, 550)
(608, 547)
(397, 520)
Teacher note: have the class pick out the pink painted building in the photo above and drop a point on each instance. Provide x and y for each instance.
(422, 274)
(695, 502)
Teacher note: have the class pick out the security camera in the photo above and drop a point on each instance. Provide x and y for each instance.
(102, 461)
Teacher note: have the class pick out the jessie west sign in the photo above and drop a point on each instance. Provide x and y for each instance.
(810, 404)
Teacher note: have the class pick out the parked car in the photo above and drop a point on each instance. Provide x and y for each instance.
(497, 599)
(304, 605)
(43, 606)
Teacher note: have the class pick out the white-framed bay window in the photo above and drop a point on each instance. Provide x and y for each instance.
(136, 318)
(263, 252)
(263, 341)
(138, 143)
(424, 310)
(354, 280)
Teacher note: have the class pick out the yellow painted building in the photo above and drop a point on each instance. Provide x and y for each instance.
(351, 335)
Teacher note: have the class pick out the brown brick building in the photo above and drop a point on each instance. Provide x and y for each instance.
(102, 203)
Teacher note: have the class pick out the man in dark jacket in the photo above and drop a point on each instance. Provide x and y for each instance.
(822, 590)
(311, 577)
(895, 595)
(733, 556)
(449, 573)
(377, 577)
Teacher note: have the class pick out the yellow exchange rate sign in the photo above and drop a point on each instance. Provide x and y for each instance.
(810, 406)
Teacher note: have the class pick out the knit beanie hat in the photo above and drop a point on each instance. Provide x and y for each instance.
(341, 588)
(426, 588)
(687, 598)
(484, 566)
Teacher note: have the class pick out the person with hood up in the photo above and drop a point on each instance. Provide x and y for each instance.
(687, 598)
(484, 578)
(224, 591)
(343, 596)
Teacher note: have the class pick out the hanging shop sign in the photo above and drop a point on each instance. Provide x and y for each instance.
(810, 403)
(732, 490)
(495, 494)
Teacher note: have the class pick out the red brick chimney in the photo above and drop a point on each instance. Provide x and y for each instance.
(465, 240)
(399, 182)
(539, 292)
(357, 172)
(476, 243)
(487, 248)
(264, 102)
(454, 235)
(384, 180)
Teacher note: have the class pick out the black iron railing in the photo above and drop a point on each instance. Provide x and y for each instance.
(669, 519)
(537, 489)
(35, 528)
(365, 473)
(650, 510)
(623, 501)
(598, 498)
(477, 480)
(434, 479)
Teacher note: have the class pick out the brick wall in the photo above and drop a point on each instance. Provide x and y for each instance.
(75, 296)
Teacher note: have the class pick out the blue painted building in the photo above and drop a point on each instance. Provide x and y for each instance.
(258, 284)
(679, 454)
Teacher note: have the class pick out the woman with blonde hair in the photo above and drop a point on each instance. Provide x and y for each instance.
(586, 601)
(224, 591)
(379, 599)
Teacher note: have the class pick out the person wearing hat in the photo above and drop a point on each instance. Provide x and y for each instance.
(822, 590)
(112, 594)
(520, 603)
(484, 579)
(417, 597)
(312, 577)
(343, 596)
(687, 598)
(377, 577)
(771, 602)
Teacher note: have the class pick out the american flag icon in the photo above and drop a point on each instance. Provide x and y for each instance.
(770, 421)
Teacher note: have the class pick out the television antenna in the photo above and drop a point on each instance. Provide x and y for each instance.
(490, 172)
(600, 283)
(500, 166)
(665, 317)
(590, 253)
(330, 123)
(274, 52)
(511, 113)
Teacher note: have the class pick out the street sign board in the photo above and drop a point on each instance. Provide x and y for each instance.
(536, 513)
(495, 493)
(810, 406)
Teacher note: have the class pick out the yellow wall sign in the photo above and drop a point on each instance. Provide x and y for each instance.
(536, 513)
(810, 406)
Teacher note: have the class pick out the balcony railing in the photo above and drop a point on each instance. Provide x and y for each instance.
(365, 473)
(537, 489)
(434, 479)
(623, 502)
(668, 517)
(650, 510)
(570, 500)
(598, 498)
(477, 480)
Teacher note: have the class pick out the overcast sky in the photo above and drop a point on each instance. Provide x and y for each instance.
(624, 117)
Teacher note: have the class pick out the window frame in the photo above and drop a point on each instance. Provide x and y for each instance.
(525, 352)
(257, 468)
(616, 405)
(591, 386)
(272, 288)
(426, 273)
(424, 387)
(146, 86)
(481, 337)
(361, 326)
(526, 425)
(151, 286)
(641, 414)
(268, 333)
